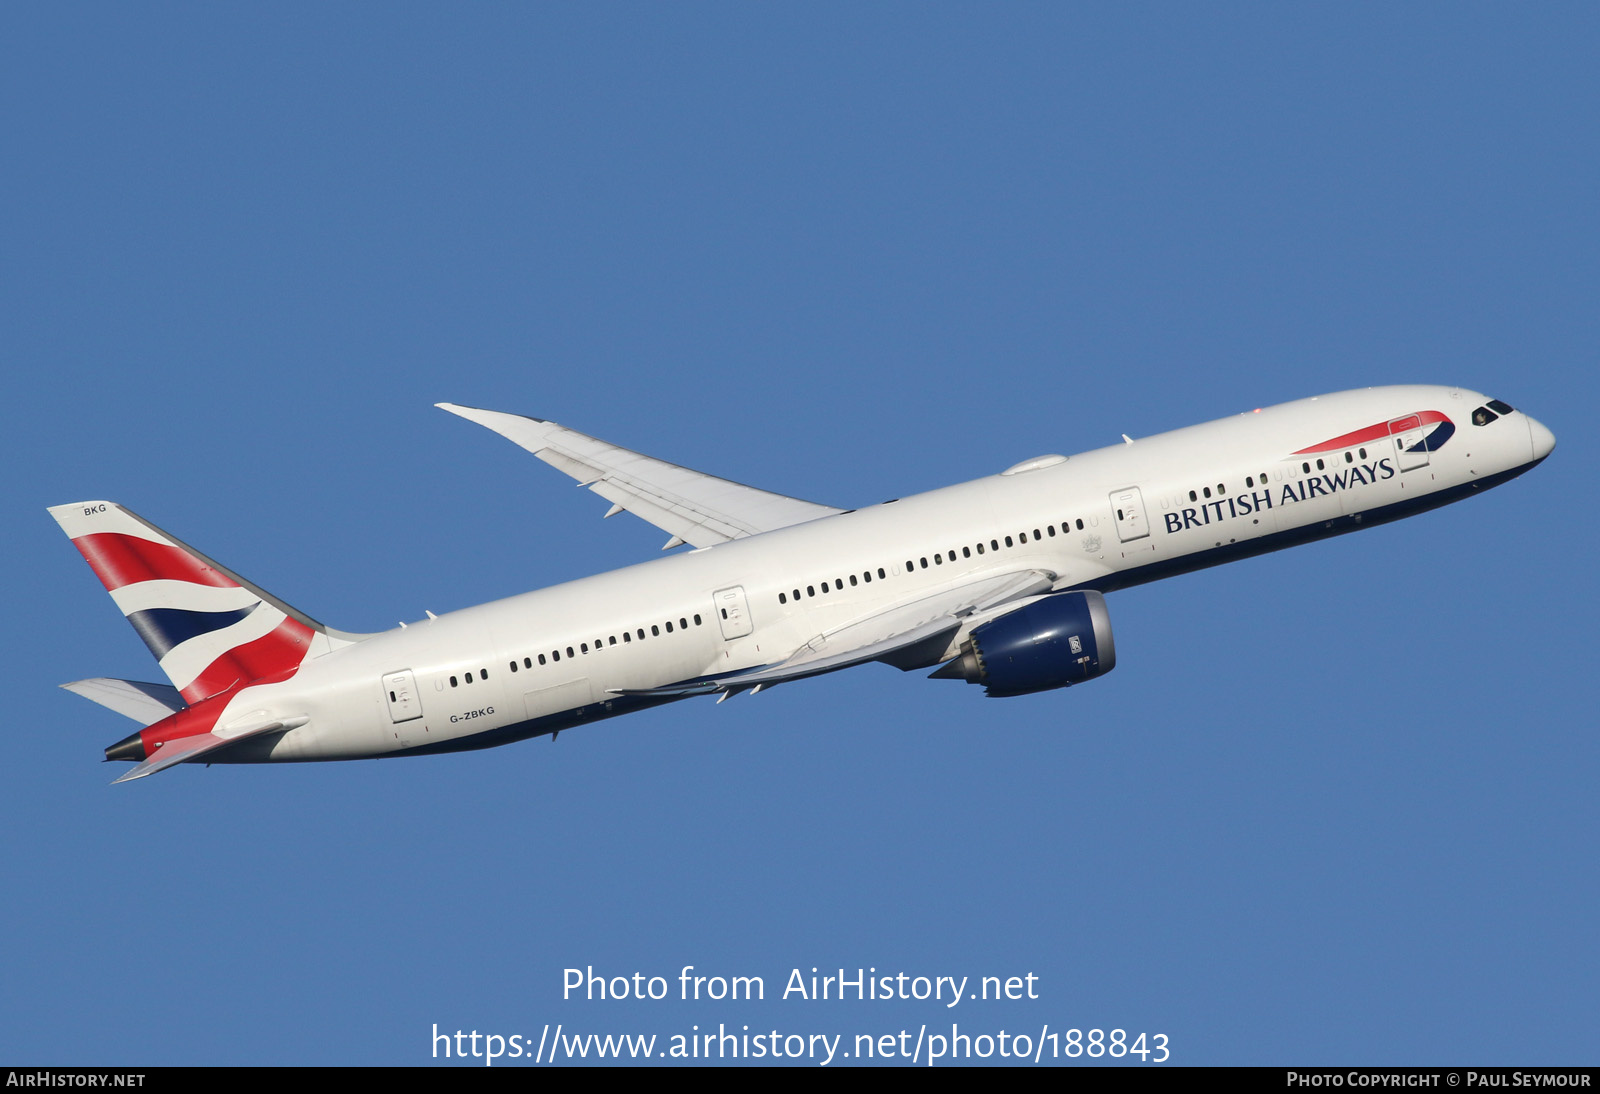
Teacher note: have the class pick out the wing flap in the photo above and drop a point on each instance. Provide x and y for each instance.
(692, 506)
(875, 637)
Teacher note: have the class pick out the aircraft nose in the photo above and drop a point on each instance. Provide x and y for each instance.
(1544, 441)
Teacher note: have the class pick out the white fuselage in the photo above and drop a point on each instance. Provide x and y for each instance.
(1105, 519)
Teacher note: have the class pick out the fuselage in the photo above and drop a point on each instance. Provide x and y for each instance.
(1104, 520)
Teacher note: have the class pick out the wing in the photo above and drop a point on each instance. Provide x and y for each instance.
(911, 635)
(695, 508)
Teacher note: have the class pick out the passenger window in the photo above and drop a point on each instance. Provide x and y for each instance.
(1305, 468)
(796, 596)
(467, 677)
(1022, 537)
(837, 583)
(1320, 466)
(655, 631)
(994, 544)
(980, 548)
(541, 659)
(570, 654)
(584, 646)
(612, 641)
(782, 599)
(527, 662)
(513, 666)
(924, 564)
(811, 590)
(1249, 482)
(483, 674)
(555, 655)
(453, 682)
(880, 571)
(1051, 528)
(1221, 489)
(1080, 524)
(938, 560)
(626, 637)
(683, 624)
(697, 618)
(1206, 491)
(1193, 496)
(1349, 458)
(1036, 536)
(852, 581)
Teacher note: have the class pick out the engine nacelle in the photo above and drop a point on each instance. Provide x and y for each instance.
(1052, 643)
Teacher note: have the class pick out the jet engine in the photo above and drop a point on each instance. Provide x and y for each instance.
(1052, 643)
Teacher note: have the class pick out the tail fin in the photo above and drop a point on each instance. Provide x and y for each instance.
(209, 628)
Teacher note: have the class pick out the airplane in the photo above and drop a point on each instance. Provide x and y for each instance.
(997, 582)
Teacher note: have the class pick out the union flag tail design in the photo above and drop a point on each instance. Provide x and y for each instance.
(209, 628)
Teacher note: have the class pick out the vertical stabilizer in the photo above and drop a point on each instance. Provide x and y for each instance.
(209, 628)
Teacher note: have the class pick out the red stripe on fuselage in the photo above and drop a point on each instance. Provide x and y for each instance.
(1370, 433)
(120, 560)
(279, 651)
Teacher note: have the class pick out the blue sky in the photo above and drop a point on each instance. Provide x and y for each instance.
(1334, 805)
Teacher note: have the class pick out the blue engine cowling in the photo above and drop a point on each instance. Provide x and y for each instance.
(1052, 643)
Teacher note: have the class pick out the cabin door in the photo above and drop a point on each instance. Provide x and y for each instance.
(1128, 507)
(400, 689)
(1410, 449)
(733, 612)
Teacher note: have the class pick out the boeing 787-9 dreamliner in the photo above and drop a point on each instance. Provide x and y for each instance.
(998, 582)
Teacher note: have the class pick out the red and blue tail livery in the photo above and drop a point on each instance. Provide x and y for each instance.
(208, 628)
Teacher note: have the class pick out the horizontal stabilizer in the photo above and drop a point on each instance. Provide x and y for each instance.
(145, 703)
(691, 506)
(191, 748)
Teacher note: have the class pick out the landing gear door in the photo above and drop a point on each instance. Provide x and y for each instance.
(1410, 451)
(400, 688)
(1128, 507)
(733, 612)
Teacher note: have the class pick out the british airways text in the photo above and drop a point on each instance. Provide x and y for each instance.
(1244, 504)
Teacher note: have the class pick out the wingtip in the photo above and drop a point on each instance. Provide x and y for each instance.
(469, 412)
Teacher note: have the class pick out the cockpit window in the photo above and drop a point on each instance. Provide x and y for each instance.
(1498, 407)
(1483, 416)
